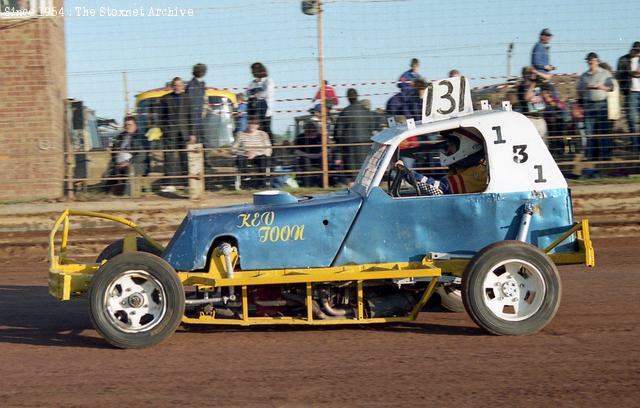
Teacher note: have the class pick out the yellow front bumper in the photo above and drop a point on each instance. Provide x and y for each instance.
(68, 277)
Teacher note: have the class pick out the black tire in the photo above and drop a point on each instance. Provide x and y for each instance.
(149, 314)
(526, 300)
(450, 297)
(115, 248)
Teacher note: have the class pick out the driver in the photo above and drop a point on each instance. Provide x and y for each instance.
(464, 154)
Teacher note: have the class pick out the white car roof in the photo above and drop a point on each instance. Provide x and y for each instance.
(518, 159)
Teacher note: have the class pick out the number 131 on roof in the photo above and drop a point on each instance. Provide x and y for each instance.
(446, 98)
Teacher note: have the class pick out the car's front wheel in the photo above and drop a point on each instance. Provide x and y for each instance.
(511, 288)
(136, 300)
(117, 247)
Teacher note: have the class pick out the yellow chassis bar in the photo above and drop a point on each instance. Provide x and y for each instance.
(585, 253)
(67, 277)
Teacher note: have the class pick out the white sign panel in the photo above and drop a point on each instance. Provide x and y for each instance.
(446, 98)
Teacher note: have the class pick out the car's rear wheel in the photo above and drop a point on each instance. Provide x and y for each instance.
(136, 300)
(116, 248)
(451, 296)
(511, 288)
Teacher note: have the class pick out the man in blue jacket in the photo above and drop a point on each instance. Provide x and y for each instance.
(540, 52)
(540, 57)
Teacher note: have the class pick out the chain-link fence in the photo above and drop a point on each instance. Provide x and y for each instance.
(581, 87)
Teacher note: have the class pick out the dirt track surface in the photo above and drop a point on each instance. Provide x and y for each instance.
(588, 356)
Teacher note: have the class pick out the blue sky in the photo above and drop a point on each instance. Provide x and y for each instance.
(365, 41)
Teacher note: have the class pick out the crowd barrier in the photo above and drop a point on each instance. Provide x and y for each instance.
(216, 169)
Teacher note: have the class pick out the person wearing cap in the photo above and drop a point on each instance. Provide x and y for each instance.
(593, 87)
(540, 52)
(540, 59)
(464, 154)
(628, 75)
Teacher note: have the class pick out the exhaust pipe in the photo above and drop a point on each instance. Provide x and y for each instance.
(333, 311)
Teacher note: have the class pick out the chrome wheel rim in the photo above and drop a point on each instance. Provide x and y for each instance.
(513, 290)
(135, 301)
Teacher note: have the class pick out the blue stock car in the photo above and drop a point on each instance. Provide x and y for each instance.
(374, 253)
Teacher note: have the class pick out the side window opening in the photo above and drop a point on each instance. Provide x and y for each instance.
(449, 162)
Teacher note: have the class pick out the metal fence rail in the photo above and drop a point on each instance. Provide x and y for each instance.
(218, 168)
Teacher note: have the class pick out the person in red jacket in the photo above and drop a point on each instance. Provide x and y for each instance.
(329, 95)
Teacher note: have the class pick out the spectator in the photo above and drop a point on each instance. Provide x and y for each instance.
(260, 94)
(556, 116)
(529, 92)
(408, 77)
(408, 105)
(593, 87)
(354, 125)
(540, 58)
(454, 73)
(196, 89)
(408, 102)
(540, 53)
(555, 112)
(628, 75)
(330, 96)
(241, 115)
(613, 99)
(624, 73)
(126, 157)
(252, 148)
(316, 116)
(309, 158)
(377, 119)
(177, 132)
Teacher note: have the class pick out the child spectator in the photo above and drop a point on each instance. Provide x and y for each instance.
(408, 77)
(241, 115)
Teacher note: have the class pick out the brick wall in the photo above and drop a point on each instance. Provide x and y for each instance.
(32, 94)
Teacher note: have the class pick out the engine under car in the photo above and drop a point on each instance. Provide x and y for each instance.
(329, 301)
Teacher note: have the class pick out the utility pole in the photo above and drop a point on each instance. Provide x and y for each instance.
(323, 102)
(126, 94)
(509, 59)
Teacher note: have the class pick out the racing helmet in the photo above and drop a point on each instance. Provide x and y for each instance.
(467, 144)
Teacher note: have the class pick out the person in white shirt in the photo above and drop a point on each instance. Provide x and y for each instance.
(252, 148)
(593, 88)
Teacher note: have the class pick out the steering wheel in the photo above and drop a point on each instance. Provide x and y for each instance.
(395, 181)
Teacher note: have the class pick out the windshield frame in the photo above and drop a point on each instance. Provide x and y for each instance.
(373, 168)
